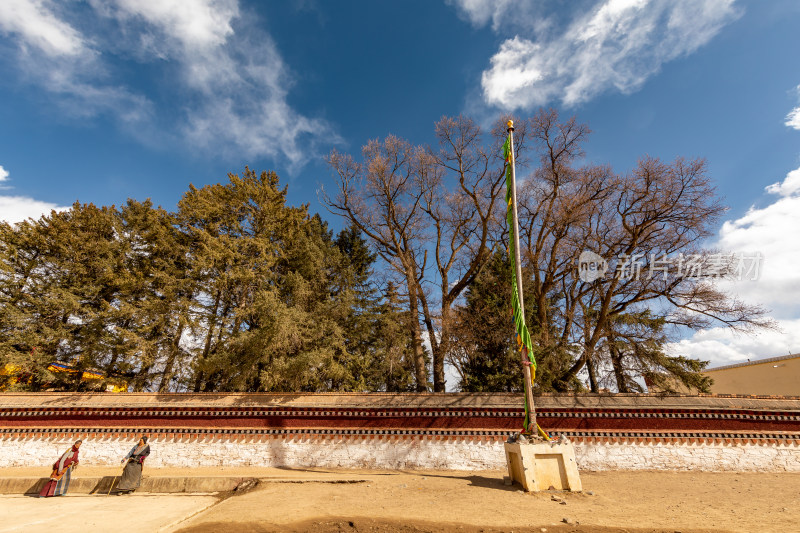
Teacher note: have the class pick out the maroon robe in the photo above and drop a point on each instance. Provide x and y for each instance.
(60, 477)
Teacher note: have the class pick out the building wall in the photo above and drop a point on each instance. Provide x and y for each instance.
(401, 431)
(780, 377)
(408, 453)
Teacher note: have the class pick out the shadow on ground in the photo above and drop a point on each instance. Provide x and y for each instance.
(354, 525)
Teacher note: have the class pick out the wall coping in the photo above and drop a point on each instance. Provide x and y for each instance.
(754, 362)
(11, 400)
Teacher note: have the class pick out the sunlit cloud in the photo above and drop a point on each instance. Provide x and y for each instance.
(482, 12)
(36, 24)
(721, 346)
(771, 231)
(793, 118)
(614, 46)
(18, 208)
(229, 85)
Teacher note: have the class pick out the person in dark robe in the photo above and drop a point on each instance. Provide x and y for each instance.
(58, 484)
(132, 474)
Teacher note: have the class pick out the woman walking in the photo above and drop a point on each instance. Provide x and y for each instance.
(132, 474)
(58, 485)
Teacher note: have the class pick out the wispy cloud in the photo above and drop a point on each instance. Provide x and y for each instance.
(194, 25)
(226, 76)
(233, 71)
(793, 118)
(3, 174)
(614, 46)
(35, 22)
(481, 12)
(55, 55)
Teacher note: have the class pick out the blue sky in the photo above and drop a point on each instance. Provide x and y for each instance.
(105, 100)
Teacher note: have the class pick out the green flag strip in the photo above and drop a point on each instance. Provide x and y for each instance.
(522, 336)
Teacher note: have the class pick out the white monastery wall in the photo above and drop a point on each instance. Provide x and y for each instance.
(403, 453)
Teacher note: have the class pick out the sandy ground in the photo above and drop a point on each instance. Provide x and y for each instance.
(438, 501)
(451, 501)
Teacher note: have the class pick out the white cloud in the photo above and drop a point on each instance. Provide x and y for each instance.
(241, 78)
(196, 24)
(721, 346)
(788, 187)
(793, 118)
(56, 56)
(771, 231)
(18, 208)
(36, 23)
(481, 12)
(226, 75)
(617, 45)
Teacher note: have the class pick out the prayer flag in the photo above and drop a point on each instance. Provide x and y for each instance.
(521, 334)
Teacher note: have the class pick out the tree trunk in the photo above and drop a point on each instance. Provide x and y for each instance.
(592, 375)
(198, 382)
(616, 362)
(166, 375)
(420, 369)
(439, 383)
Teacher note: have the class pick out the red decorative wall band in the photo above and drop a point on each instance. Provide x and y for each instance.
(488, 419)
(632, 418)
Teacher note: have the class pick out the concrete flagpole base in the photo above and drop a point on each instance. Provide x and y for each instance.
(540, 464)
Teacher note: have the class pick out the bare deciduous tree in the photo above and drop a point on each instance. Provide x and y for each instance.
(462, 205)
(635, 221)
(413, 203)
(383, 197)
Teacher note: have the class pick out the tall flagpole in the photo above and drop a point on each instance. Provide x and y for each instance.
(526, 363)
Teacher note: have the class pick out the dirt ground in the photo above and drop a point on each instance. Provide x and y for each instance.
(383, 526)
(686, 502)
(84, 513)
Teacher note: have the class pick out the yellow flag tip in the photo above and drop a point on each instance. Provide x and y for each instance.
(510, 124)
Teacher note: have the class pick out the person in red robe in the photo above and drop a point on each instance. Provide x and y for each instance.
(58, 485)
